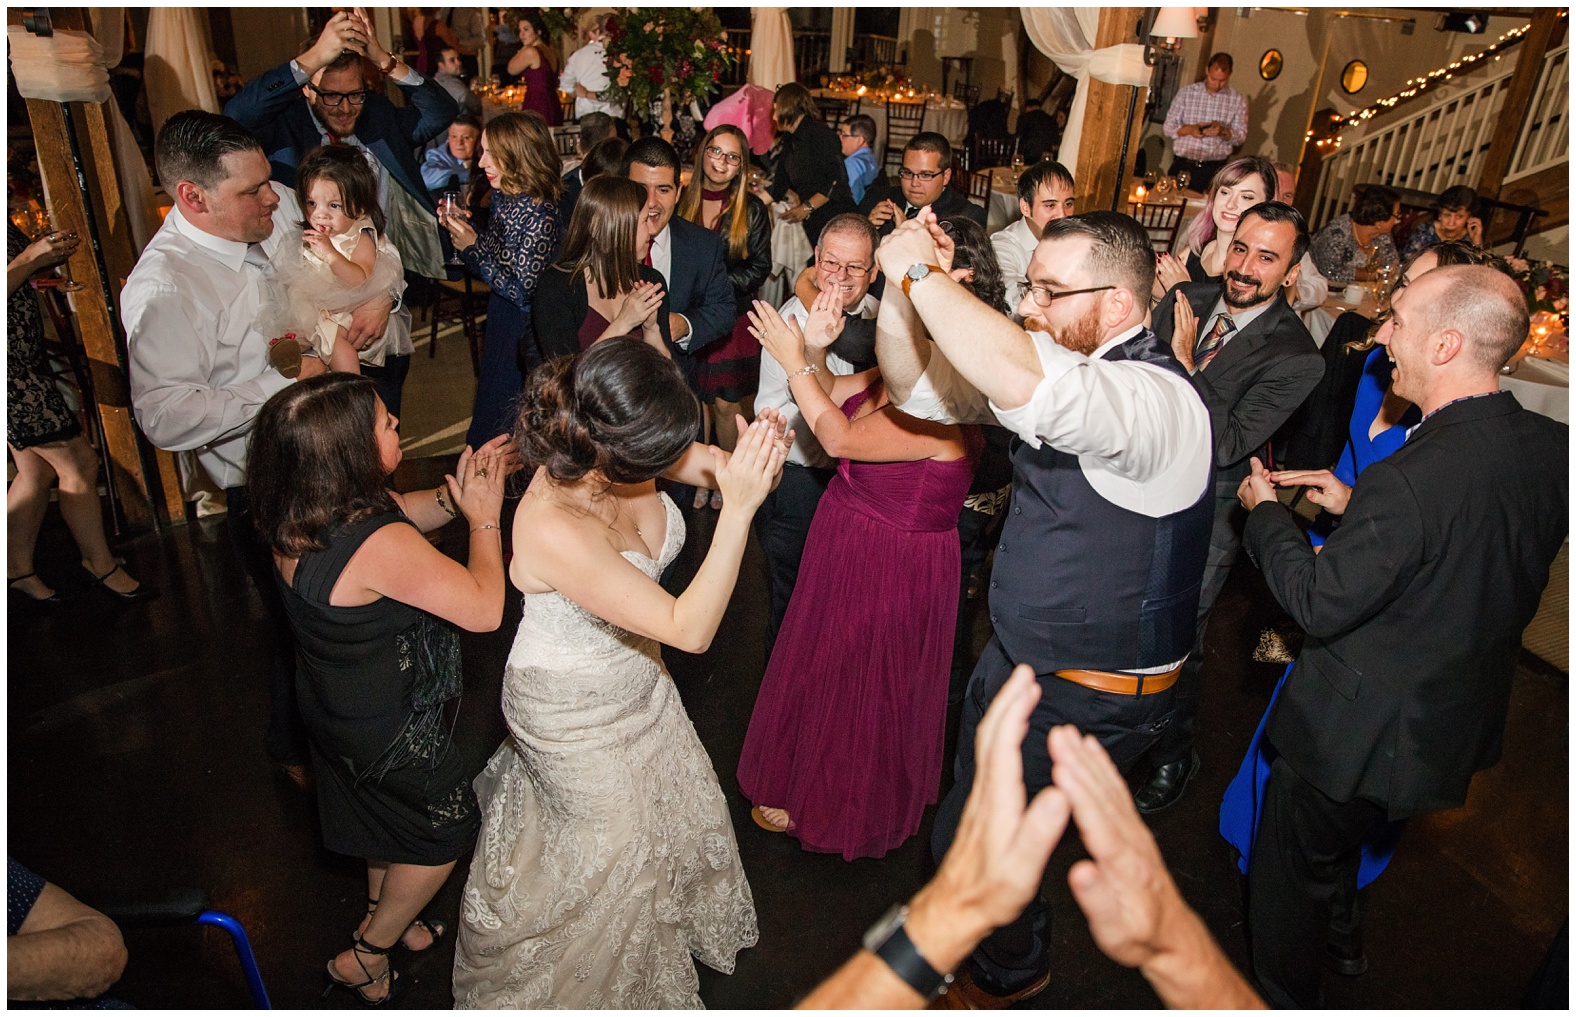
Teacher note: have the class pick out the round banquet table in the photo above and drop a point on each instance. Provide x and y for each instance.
(947, 117)
(1542, 384)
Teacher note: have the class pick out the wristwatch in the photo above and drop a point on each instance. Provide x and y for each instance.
(393, 63)
(888, 940)
(915, 273)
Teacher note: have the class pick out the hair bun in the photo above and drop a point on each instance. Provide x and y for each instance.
(551, 431)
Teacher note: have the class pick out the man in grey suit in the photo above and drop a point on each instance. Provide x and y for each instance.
(1253, 363)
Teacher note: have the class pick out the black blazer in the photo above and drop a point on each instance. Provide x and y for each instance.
(812, 163)
(1414, 609)
(1253, 385)
(560, 308)
(700, 289)
(950, 203)
(747, 273)
(272, 107)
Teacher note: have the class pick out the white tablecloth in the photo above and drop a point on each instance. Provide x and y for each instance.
(791, 251)
(1003, 207)
(948, 117)
(1542, 385)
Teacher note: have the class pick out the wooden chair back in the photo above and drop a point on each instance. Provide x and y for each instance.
(1162, 221)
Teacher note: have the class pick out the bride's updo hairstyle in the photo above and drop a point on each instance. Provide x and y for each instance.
(620, 408)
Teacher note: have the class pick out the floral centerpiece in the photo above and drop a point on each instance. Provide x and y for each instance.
(1546, 285)
(672, 53)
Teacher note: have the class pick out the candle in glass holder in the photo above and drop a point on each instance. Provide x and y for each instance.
(1138, 195)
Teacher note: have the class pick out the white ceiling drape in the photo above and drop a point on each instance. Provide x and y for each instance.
(177, 68)
(1066, 35)
(771, 47)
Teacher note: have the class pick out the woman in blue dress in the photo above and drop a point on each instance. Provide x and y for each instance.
(522, 165)
(1379, 425)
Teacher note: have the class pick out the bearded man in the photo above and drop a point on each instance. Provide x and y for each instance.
(1097, 575)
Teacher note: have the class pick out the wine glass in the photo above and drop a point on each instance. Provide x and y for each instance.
(448, 205)
(41, 227)
(1384, 284)
(1183, 179)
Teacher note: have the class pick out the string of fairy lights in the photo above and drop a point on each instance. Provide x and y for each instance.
(1420, 84)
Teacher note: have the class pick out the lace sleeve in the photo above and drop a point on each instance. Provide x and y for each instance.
(514, 250)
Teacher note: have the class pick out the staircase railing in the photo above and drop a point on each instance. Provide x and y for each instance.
(1545, 137)
(1436, 147)
(1444, 143)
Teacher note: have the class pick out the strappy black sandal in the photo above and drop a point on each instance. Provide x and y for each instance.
(363, 948)
(436, 928)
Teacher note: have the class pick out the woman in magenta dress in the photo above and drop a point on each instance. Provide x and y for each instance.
(844, 748)
(533, 63)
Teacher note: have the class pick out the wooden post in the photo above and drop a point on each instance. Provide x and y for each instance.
(139, 496)
(1529, 65)
(1105, 120)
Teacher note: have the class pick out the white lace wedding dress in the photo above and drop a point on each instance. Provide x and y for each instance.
(606, 858)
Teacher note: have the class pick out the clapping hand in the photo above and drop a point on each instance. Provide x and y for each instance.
(1324, 490)
(1256, 488)
(825, 321)
(638, 306)
(476, 486)
(1169, 271)
(749, 474)
(781, 338)
(1184, 332)
(885, 211)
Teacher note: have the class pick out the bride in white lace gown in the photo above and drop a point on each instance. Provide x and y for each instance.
(606, 858)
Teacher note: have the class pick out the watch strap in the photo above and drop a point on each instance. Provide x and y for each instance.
(900, 954)
(908, 280)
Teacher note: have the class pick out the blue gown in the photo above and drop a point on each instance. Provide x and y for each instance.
(1244, 798)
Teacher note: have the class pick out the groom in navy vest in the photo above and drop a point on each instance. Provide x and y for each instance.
(1097, 575)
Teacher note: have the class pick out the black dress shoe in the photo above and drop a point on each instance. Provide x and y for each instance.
(1346, 960)
(142, 592)
(1165, 786)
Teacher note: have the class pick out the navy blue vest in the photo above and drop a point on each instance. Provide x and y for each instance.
(1081, 583)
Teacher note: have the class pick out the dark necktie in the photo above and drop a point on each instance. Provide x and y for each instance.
(1210, 345)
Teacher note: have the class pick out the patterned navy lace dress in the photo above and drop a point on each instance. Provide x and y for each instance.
(606, 858)
(36, 413)
(508, 257)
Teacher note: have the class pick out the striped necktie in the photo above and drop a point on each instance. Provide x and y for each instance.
(1210, 345)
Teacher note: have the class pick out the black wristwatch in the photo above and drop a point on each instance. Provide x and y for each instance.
(889, 940)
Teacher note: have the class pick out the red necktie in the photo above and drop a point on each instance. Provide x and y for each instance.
(646, 261)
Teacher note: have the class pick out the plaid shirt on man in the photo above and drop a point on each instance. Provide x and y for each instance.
(1195, 105)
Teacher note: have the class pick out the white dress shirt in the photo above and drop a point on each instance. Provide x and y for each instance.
(1140, 432)
(198, 361)
(773, 390)
(588, 66)
(1014, 247)
(1313, 289)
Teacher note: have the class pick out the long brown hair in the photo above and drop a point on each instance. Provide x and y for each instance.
(346, 168)
(738, 201)
(523, 151)
(602, 233)
(313, 462)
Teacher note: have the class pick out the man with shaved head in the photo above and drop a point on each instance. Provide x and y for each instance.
(1414, 611)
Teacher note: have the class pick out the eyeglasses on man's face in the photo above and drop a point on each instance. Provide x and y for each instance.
(731, 158)
(926, 175)
(334, 100)
(837, 268)
(1043, 295)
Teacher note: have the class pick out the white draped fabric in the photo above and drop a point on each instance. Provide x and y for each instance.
(1067, 35)
(771, 47)
(65, 67)
(177, 69)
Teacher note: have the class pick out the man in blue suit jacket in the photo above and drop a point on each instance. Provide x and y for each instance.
(321, 97)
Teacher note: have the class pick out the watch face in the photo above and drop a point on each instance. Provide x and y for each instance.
(917, 272)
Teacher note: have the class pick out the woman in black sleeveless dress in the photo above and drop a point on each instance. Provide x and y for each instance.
(374, 608)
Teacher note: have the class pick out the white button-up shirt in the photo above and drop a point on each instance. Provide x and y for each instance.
(774, 392)
(588, 66)
(1014, 247)
(1140, 432)
(198, 360)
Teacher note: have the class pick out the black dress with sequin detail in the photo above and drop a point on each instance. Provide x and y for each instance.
(390, 784)
(36, 412)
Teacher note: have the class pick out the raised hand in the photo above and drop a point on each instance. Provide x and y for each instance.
(1324, 489)
(1169, 270)
(638, 305)
(1184, 332)
(344, 32)
(780, 338)
(825, 321)
(748, 475)
(908, 245)
(476, 486)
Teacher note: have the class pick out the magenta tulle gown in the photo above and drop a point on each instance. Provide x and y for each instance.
(847, 729)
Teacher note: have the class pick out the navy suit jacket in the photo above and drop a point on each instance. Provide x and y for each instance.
(272, 107)
(699, 288)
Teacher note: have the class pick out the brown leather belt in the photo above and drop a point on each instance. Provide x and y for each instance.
(1121, 683)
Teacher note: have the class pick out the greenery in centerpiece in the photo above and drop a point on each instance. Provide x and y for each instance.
(561, 22)
(652, 50)
(1546, 285)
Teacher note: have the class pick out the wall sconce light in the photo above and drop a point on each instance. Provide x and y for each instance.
(1166, 28)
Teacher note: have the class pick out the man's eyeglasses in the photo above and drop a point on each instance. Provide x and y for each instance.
(925, 175)
(1043, 295)
(834, 268)
(334, 100)
(731, 158)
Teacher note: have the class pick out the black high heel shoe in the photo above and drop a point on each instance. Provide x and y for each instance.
(389, 974)
(54, 599)
(142, 592)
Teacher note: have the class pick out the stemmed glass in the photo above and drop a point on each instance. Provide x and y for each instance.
(448, 205)
(38, 220)
(1384, 285)
(1183, 179)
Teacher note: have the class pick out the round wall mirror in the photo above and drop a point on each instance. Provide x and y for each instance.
(1270, 64)
(1354, 77)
